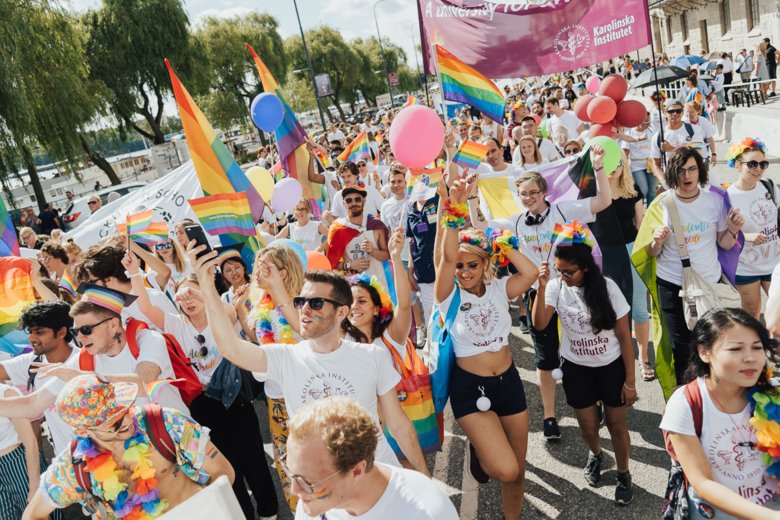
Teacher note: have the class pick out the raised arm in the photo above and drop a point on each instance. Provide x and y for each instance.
(445, 270)
(525, 277)
(402, 317)
(478, 220)
(30, 442)
(603, 197)
(35, 275)
(541, 313)
(133, 267)
(160, 268)
(314, 176)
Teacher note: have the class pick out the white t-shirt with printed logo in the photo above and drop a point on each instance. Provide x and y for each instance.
(760, 214)
(356, 370)
(678, 138)
(307, 236)
(723, 440)
(701, 221)
(579, 344)
(187, 336)
(483, 322)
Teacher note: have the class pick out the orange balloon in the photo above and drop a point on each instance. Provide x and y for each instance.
(317, 261)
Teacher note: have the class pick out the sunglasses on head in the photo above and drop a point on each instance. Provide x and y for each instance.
(166, 245)
(674, 111)
(315, 303)
(86, 330)
(752, 165)
(350, 200)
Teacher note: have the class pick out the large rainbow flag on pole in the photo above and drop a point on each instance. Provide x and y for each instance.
(16, 293)
(218, 172)
(291, 141)
(464, 84)
(357, 149)
(9, 243)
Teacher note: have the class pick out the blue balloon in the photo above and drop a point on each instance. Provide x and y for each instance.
(295, 246)
(267, 111)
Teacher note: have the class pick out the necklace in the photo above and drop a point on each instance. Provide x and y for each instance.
(687, 198)
(144, 502)
(745, 442)
(265, 327)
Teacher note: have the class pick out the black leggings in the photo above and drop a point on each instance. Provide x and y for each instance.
(674, 322)
(236, 433)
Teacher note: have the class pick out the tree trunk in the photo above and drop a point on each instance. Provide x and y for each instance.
(32, 171)
(99, 161)
(338, 106)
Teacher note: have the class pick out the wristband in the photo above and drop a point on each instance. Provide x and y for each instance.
(455, 214)
(135, 275)
(282, 306)
(629, 388)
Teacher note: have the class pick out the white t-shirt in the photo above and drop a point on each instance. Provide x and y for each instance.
(546, 148)
(760, 217)
(356, 370)
(567, 120)
(677, 138)
(529, 167)
(338, 135)
(409, 495)
(393, 212)
(372, 204)
(701, 220)
(483, 323)
(579, 344)
(158, 299)
(8, 435)
(17, 369)
(187, 336)
(739, 468)
(307, 236)
(638, 152)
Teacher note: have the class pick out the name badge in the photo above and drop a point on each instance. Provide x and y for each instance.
(422, 227)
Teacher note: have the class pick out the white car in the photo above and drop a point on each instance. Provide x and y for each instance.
(79, 211)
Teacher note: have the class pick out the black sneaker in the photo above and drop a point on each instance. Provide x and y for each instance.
(476, 468)
(551, 430)
(593, 469)
(600, 411)
(524, 324)
(624, 492)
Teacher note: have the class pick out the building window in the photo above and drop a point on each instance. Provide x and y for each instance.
(684, 25)
(725, 18)
(753, 14)
(669, 30)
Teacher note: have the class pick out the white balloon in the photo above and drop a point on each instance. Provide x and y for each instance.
(483, 403)
(557, 374)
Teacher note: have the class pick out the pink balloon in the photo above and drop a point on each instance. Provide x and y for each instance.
(416, 136)
(592, 84)
(287, 193)
(614, 86)
(581, 107)
(631, 113)
(600, 130)
(602, 110)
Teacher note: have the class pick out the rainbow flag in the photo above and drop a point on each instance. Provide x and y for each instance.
(470, 154)
(16, 293)
(224, 213)
(357, 149)
(423, 179)
(464, 84)
(9, 243)
(218, 171)
(66, 282)
(322, 157)
(138, 222)
(291, 140)
(411, 100)
(154, 233)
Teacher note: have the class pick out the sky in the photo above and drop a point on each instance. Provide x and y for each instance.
(353, 18)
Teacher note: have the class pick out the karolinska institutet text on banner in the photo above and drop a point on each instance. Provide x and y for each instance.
(505, 38)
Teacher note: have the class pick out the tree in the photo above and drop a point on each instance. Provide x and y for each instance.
(371, 85)
(128, 40)
(297, 91)
(233, 80)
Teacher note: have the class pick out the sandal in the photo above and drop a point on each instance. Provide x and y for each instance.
(648, 374)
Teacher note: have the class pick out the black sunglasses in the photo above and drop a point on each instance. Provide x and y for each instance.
(204, 350)
(350, 200)
(91, 202)
(87, 330)
(675, 111)
(572, 151)
(471, 265)
(752, 165)
(315, 303)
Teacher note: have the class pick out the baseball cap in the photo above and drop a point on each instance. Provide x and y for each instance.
(89, 401)
(672, 102)
(349, 191)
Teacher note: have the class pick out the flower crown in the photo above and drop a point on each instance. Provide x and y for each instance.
(386, 309)
(495, 242)
(737, 149)
(475, 238)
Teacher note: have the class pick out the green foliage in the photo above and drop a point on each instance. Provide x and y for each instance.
(298, 91)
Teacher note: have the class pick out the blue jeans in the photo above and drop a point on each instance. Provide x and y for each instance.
(646, 182)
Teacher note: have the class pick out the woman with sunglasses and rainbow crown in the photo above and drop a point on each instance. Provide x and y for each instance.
(486, 393)
(756, 199)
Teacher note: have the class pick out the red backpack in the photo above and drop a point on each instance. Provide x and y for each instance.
(186, 380)
(693, 396)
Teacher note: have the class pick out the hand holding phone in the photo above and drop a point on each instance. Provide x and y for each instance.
(195, 232)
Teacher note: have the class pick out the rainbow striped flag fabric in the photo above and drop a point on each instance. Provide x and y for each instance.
(470, 154)
(66, 282)
(16, 293)
(154, 233)
(9, 242)
(464, 84)
(411, 100)
(137, 222)
(357, 149)
(224, 213)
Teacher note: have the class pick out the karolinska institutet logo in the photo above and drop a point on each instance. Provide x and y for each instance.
(571, 42)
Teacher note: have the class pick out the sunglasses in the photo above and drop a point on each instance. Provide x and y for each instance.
(361, 165)
(167, 245)
(571, 151)
(470, 265)
(351, 200)
(315, 303)
(204, 350)
(752, 165)
(91, 202)
(674, 111)
(117, 426)
(86, 330)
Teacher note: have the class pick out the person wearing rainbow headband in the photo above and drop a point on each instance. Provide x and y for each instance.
(129, 477)
(755, 198)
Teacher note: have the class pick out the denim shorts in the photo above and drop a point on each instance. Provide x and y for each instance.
(748, 279)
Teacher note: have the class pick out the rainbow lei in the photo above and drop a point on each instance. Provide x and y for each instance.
(144, 503)
(765, 401)
(265, 327)
(385, 312)
(455, 214)
(737, 149)
(499, 243)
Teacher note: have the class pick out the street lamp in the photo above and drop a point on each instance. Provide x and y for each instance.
(311, 69)
(384, 57)
(420, 77)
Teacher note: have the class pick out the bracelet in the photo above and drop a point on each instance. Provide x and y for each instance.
(473, 197)
(455, 214)
(598, 169)
(346, 266)
(282, 306)
(135, 275)
(629, 388)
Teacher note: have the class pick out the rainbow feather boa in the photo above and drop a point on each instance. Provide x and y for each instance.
(764, 398)
(455, 214)
(144, 502)
(265, 326)
(385, 312)
(737, 149)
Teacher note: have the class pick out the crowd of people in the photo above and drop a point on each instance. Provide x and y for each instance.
(147, 378)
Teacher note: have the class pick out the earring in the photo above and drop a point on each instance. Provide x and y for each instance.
(117, 337)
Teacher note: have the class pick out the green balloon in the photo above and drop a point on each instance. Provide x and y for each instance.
(612, 151)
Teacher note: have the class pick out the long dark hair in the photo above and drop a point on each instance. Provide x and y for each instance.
(595, 293)
(379, 326)
(711, 327)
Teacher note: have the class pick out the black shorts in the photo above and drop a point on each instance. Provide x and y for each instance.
(506, 393)
(584, 386)
(546, 343)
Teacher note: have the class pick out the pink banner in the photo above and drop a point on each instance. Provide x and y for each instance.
(521, 38)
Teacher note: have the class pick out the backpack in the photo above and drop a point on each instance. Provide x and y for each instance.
(688, 129)
(770, 187)
(186, 380)
(158, 435)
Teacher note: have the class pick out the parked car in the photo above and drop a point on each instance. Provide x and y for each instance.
(79, 211)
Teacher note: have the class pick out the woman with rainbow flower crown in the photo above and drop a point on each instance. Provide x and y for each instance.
(722, 426)
(486, 392)
(756, 199)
